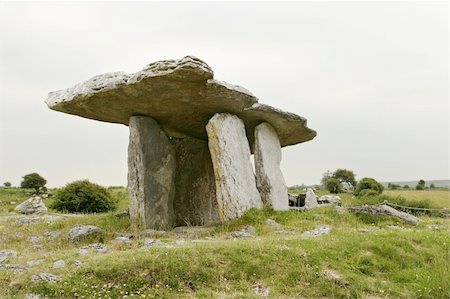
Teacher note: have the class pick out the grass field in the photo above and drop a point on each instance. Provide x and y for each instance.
(436, 198)
(375, 257)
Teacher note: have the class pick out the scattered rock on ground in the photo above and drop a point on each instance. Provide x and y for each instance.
(330, 199)
(100, 248)
(148, 242)
(245, 232)
(122, 240)
(78, 263)
(5, 254)
(14, 267)
(33, 205)
(32, 296)
(52, 234)
(384, 210)
(35, 239)
(59, 264)
(80, 232)
(45, 277)
(334, 276)
(260, 290)
(273, 223)
(27, 220)
(318, 231)
(34, 262)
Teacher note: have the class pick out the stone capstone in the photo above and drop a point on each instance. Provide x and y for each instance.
(234, 178)
(151, 174)
(33, 205)
(269, 178)
(80, 232)
(384, 210)
(195, 200)
(161, 88)
(329, 199)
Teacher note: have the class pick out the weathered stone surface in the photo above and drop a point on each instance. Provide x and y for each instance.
(33, 205)
(235, 181)
(384, 210)
(329, 199)
(195, 200)
(59, 264)
(13, 267)
(151, 174)
(269, 178)
(310, 199)
(318, 231)
(6, 254)
(161, 88)
(45, 277)
(247, 231)
(79, 232)
(98, 247)
(273, 223)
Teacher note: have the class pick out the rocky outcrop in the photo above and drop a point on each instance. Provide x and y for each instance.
(384, 210)
(329, 199)
(195, 200)
(269, 178)
(33, 205)
(230, 153)
(6, 254)
(310, 199)
(161, 88)
(80, 232)
(151, 174)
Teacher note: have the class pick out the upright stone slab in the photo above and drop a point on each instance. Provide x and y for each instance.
(151, 174)
(195, 190)
(230, 153)
(269, 178)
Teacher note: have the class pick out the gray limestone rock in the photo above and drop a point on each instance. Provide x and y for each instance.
(195, 200)
(273, 223)
(310, 199)
(79, 232)
(59, 264)
(34, 262)
(13, 267)
(98, 247)
(6, 254)
(151, 174)
(247, 231)
(35, 239)
(48, 277)
(329, 199)
(122, 241)
(161, 88)
(148, 242)
(269, 178)
(235, 181)
(33, 205)
(384, 210)
(318, 231)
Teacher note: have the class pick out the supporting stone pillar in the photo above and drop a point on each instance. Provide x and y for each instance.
(195, 189)
(269, 178)
(151, 174)
(230, 153)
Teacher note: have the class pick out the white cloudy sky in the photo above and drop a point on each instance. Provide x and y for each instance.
(370, 77)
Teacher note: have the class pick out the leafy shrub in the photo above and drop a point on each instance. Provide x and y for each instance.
(368, 193)
(83, 196)
(333, 185)
(368, 184)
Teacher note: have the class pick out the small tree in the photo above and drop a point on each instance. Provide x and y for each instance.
(406, 187)
(333, 185)
(369, 184)
(420, 185)
(33, 180)
(7, 184)
(432, 186)
(345, 176)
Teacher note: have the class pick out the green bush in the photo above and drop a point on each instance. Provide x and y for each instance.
(333, 185)
(83, 196)
(368, 193)
(368, 184)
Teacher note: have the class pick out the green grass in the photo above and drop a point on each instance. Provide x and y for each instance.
(436, 198)
(408, 262)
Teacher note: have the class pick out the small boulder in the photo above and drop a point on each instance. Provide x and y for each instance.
(148, 242)
(329, 199)
(247, 231)
(33, 205)
(100, 248)
(273, 223)
(6, 254)
(122, 241)
(59, 264)
(80, 232)
(13, 267)
(318, 231)
(45, 277)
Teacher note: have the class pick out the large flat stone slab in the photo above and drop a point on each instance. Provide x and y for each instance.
(230, 152)
(195, 200)
(181, 95)
(151, 174)
(269, 178)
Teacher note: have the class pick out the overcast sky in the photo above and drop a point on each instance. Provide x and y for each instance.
(370, 77)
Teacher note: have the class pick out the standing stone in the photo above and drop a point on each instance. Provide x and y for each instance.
(269, 178)
(310, 199)
(230, 153)
(195, 200)
(33, 205)
(151, 174)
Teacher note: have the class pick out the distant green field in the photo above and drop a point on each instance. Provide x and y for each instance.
(436, 198)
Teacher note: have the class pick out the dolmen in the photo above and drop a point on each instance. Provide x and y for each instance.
(191, 140)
